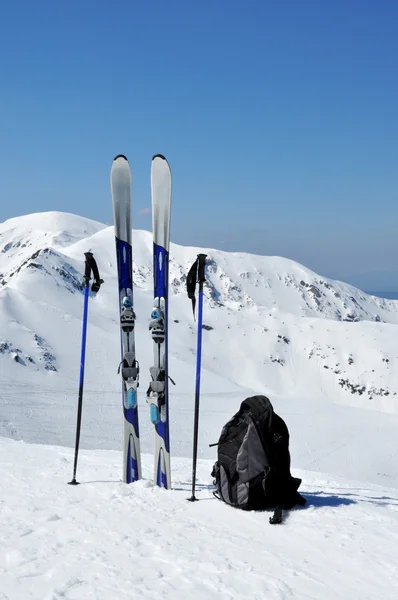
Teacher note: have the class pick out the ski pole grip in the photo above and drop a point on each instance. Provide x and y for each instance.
(201, 267)
(95, 287)
(196, 274)
(87, 267)
(91, 267)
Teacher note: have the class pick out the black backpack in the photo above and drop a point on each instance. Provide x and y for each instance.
(253, 467)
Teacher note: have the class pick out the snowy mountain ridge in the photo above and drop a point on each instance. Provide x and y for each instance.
(22, 239)
(271, 324)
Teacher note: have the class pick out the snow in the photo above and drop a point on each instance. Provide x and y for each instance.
(277, 326)
(274, 327)
(104, 539)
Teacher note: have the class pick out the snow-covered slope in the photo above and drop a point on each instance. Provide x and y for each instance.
(22, 237)
(265, 332)
(271, 324)
(323, 351)
(105, 540)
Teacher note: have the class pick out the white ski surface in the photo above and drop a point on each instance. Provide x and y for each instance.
(121, 184)
(104, 540)
(161, 198)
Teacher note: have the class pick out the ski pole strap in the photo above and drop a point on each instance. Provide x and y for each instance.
(91, 267)
(196, 274)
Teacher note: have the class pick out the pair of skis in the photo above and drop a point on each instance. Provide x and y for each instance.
(129, 366)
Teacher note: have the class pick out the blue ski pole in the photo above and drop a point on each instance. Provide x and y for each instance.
(197, 274)
(90, 265)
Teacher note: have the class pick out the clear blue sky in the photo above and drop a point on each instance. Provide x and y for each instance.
(279, 119)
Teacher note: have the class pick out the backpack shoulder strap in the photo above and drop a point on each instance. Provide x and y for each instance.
(277, 517)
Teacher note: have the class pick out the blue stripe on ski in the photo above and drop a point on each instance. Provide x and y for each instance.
(129, 401)
(160, 260)
(163, 429)
(161, 479)
(124, 263)
(131, 415)
(161, 275)
(132, 466)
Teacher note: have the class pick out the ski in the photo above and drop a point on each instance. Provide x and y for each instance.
(129, 367)
(158, 395)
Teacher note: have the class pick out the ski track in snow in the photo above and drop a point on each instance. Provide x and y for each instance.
(103, 539)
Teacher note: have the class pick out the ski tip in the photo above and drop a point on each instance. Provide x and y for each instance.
(120, 156)
(159, 156)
